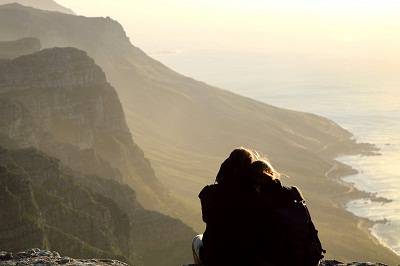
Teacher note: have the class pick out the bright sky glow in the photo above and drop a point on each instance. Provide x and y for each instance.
(357, 27)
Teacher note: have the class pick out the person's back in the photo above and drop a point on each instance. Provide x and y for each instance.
(230, 235)
(241, 229)
(252, 220)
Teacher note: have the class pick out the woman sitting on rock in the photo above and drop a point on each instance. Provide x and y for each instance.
(251, 219)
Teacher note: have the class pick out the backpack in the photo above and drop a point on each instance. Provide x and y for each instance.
(299, 237)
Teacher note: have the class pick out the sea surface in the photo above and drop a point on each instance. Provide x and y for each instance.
(357, 95)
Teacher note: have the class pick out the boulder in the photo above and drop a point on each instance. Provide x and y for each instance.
(40, 257)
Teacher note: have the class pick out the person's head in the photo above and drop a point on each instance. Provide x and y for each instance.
(262, 172)
(236, 166)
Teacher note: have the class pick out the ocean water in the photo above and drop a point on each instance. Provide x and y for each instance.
(357, 95)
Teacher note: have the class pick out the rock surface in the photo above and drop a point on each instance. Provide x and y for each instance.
(39, 257)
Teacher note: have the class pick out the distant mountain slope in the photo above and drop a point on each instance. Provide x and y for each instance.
(13, 49)
(45, 205)
(49, 5)
(186, 127)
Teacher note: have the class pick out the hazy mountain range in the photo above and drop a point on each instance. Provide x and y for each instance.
(40, 4)
(71, 197)
(13, 49)
(76, 116)
(185, 127)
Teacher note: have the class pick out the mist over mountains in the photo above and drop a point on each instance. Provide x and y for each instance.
(75, 115)
(40, 4)
(13, 49)
(65, 152)
(60, 102)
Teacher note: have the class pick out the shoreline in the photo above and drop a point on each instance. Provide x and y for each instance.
(338, 172)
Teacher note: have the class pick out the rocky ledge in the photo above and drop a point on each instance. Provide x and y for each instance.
(37, 257)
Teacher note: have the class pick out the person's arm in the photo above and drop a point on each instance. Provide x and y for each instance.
(207, 200)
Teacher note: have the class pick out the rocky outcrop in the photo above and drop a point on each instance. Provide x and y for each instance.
(13, 49)
(70, 196)
(36, 256)
(58, 68)
(59, 101)
(50, 258)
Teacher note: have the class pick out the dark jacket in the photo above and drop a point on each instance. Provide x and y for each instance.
(240, 227)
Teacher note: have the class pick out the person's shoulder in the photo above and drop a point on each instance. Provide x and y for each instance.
(293, 192)
(208, 190)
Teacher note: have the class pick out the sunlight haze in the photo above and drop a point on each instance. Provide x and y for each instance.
(120, 122)
(359, 27)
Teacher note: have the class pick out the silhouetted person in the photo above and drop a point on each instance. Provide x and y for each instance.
(251, 219)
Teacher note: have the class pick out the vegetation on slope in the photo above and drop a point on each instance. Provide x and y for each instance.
(47, 205)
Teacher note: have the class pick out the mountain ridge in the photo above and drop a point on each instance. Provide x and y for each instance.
(49, 5)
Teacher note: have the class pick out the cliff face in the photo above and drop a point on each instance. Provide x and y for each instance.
(59, 101)
(54, 68)
(46, 205)
(67, 196)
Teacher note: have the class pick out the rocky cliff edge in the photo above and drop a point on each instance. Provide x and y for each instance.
(36, 256)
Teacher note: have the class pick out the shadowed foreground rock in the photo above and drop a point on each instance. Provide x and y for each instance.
(48, 258)
(38, 257)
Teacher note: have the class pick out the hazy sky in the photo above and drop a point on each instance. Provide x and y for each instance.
(361, 27)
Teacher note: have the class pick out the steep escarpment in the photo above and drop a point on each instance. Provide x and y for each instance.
(59, 101)
(186, 127)
(13, 49)
(46, 205)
